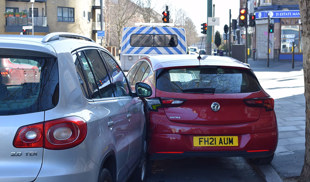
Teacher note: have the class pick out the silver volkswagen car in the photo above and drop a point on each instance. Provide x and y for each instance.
(67, 112)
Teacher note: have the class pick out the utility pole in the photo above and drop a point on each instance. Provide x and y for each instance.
(293, 55)
(213, 29)
(268, 42)
(32, 17)
(229, 40)
(101, 19)
(246, 34)
(209, 30)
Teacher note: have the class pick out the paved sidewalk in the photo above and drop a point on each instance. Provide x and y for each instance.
(286, 86)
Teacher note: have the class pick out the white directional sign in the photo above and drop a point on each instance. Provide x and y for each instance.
(27, 27)
(213, 21)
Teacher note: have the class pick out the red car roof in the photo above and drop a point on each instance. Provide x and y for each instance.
(165, 61)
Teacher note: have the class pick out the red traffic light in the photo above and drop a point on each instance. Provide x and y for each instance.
(242, 11)
(204, 28)
(24, 32)
(165, 16)
(252, 20)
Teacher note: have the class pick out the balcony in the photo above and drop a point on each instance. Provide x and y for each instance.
(38, 21)
(28, 0)
(14, 24)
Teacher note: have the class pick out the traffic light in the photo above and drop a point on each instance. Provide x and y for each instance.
(234, 24)
(271, 28)
(24, 31)
(252, 20)
(165, 16)
(243, 17)
(204, 28)
(225, 29)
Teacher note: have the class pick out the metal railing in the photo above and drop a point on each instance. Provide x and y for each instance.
(38, 21)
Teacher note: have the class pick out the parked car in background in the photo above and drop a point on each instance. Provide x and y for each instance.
(209, 107)
(67, 112)
(192, 50)
(202, 52)
(19, 71)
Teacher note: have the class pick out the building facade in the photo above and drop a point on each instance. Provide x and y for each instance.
(285, 41)
(76, 16)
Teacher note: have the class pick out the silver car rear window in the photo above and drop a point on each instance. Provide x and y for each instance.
(27, 84)
(207, 80)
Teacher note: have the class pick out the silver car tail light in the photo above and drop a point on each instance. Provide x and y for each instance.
(56, 134)
(30, 136)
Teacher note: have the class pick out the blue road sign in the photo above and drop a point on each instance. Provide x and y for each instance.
(100, 33)
(278, 14)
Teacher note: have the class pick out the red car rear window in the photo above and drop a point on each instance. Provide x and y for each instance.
(207, 80)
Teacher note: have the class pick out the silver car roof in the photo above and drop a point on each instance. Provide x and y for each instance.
(46, 44)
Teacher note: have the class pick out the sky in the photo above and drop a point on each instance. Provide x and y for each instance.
(197, 10)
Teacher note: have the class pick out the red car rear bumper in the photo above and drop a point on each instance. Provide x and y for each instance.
(255, 139)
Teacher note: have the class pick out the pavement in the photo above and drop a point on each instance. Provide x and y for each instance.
(286, 85)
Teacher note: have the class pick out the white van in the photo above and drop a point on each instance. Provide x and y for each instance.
(145, 40)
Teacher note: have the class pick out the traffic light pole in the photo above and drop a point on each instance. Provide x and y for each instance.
(246, 34)
(268, 42)
(229, 40)
(209, 30)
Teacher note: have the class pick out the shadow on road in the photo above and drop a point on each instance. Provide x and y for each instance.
(232, 169)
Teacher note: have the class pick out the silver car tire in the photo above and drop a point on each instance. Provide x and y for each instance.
(105, 176)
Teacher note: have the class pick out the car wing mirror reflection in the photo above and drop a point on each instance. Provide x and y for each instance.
(143, 90)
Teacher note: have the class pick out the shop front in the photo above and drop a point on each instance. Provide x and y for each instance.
(286, 39)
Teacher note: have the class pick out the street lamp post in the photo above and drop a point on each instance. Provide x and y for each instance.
(32, 17)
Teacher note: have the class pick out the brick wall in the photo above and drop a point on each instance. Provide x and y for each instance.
(2, 17)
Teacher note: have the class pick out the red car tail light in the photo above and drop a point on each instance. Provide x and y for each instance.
(155, 103)
(170, 102)
(267, 103)
(57, 134)
(6, 72)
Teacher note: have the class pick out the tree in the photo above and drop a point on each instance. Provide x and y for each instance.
(118, 15)
(146, 10)
(218, 40)
(181, 20)
(304, 6)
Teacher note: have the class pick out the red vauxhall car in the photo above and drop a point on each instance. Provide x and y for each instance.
(206, 106)
(19, 71)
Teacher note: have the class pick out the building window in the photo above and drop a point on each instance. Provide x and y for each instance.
(265, 2)
(35, 12)
(14, 10)
(290, 35)
(65, 14)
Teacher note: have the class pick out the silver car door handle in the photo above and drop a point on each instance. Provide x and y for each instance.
(110, 123)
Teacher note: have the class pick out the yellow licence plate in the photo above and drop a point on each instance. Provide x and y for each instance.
(215, 141)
